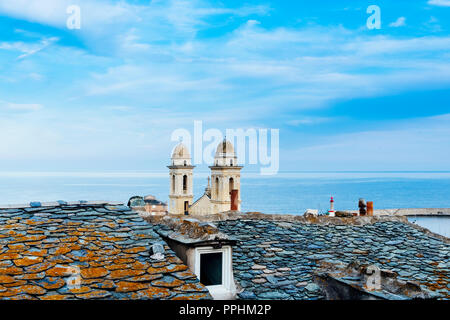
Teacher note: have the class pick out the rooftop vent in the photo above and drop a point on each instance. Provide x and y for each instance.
(157, 251)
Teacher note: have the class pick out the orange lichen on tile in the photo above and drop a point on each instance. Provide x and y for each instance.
(95, 264)
(145, 277)
(69, 239)
(116, 266)
(10, 292)
(82, 289)
(118, 274)
(58, 271)
(60, 259)
(11, 270)
(72, 223)
(97, 234)
(52, 283)
(11, 225)
(34, 243)
(94, 272)
(16, 283)
(111, 225)
(191, 297)
(40, 267)
(9, 256)
(27, 261)
(127, 286)
(12, 233)
(61, 251)
(109, 252)
(168, 283)
(6, 279)
(135, 249)
(106, 284)
(87, 238)
(186, 274)
(33, 222)
(97, 294)
(90, 256)
(160, 264)
(17, 246)
(174, 259)
(143, 236)
(72, 246)
(189, 287)
(38, 253)
(111, 239)
(177, 267)
(75, 233)
(32, 276)
(140, 265)
(151, 293)
(35, 231)
(33, 289)
(123, 261)
(152, 270)
(55, 296)
(5, 263)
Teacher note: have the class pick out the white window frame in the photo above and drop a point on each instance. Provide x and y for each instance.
(226, 287)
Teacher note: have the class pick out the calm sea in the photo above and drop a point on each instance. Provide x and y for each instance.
(288, 192)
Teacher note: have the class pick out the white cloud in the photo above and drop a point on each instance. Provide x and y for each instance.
(28, 49)
(158, 75)
(309, 121)
(400, 22)
(439, 3)
(106, 23)
(253, 22)
(413, 145)
(53, 12)
(287, 68)
(9, 106)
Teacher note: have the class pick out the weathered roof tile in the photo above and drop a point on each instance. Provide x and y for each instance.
(85, 251)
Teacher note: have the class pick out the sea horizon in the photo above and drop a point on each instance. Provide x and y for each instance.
(288, 192)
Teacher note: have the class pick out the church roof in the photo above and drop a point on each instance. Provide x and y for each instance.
(225, 149)
(181, 152)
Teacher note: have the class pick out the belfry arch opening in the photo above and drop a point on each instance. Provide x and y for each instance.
(216, 189)
(231, 184)
(184, 183)
(173, 183)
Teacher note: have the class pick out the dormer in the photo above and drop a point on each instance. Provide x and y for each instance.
(206, 251)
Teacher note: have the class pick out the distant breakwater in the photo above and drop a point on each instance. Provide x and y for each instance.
(442, 212)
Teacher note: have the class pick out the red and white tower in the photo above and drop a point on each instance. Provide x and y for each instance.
(331, 212)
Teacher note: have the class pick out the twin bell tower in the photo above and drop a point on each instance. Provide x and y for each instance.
(222, 192)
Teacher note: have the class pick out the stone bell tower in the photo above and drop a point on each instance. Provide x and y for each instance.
(181, 181)
(225, 179)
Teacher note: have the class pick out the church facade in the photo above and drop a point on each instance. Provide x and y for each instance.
(222, 192)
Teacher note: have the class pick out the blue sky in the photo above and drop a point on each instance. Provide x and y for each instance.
(108, 96)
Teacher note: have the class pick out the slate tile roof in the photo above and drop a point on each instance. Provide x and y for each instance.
(87, 250)
(277, 259)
